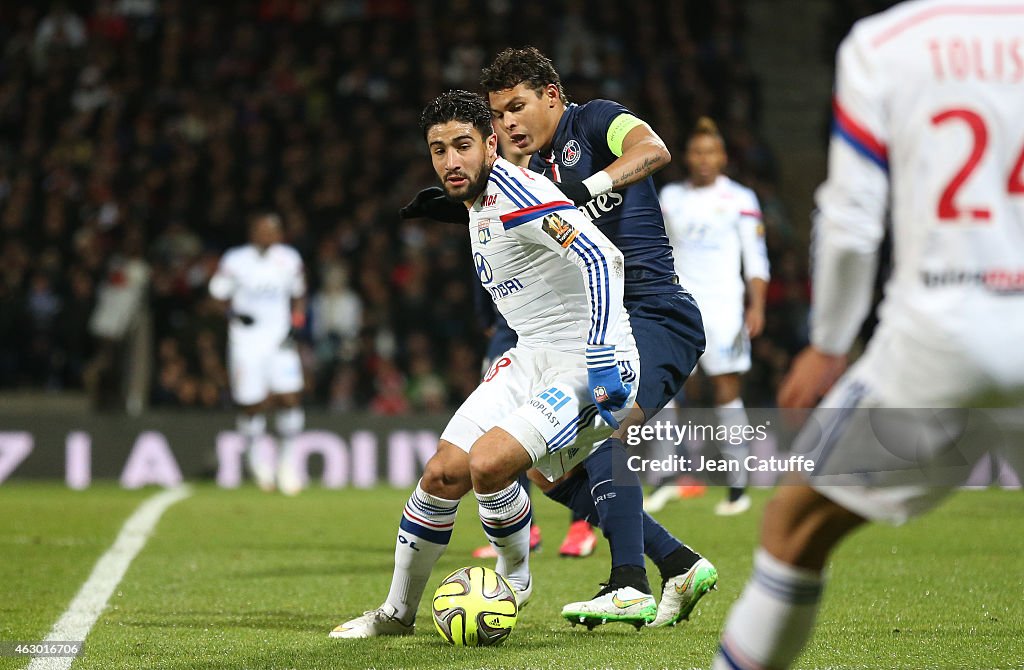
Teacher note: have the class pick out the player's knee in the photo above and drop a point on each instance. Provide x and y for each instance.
(801, 527)
(490, 472)
(727, 388)
(445, 479)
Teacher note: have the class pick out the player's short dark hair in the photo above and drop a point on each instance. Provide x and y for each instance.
(461, 106)
(258, 215)
(525, 65)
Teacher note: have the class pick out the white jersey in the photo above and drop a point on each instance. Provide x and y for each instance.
(712, 229)
(928, 109)
(261, 286)
(552, 274)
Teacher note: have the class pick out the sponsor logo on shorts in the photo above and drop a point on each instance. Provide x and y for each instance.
(545, 411)
(554, 397)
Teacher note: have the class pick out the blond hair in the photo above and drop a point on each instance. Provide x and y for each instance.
(706, 126)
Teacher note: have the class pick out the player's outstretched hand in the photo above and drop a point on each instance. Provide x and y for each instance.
(432, 203)
(811, 376)
(610, 393)
(576, 191)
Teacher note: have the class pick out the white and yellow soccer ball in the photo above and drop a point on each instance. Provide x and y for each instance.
(474, 607)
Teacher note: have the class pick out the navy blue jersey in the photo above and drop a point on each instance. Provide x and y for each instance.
(631, 218)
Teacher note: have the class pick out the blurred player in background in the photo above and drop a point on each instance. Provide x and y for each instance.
(569, 381)
(929, 132)
(714, 225)
(263, 287)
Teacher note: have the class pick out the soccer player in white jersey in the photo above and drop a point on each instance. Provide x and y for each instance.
(551, 399)
(263, 287)
(927, 126)
(714, 225)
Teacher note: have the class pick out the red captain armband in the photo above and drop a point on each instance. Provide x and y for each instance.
(298, 320)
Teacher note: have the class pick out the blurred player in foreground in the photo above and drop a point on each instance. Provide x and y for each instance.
(263, 287)
(714, 223)
(568, 382)
(931, 131)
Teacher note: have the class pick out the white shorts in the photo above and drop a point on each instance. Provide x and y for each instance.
(541, 398)
(893, 437)
(728, 344)
(254, 376)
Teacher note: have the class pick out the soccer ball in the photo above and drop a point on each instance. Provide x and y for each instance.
(474, 607)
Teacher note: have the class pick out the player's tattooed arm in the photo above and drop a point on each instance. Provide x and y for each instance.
(649, 166)
(642, 154)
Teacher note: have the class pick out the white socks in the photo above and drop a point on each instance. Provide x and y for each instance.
(423, 536)
(252, 428)
(288, 424)
(772, 620)
(506, 517)
(734, 416)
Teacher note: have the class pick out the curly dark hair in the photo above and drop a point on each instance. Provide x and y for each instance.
(457, 105)
(526, 65)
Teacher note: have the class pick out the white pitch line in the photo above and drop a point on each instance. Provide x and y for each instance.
(85, 609)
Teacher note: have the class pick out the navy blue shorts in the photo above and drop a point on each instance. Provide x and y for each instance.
(669, 334)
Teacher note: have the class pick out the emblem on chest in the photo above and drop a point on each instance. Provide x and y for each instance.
(571, 153)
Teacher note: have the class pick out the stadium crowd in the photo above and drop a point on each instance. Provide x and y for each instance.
(137, 135)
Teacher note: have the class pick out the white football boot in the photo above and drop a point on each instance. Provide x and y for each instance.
(523, 597)
(661, 496)
(624, 604)
(288, 480)
(733, 507)
(680, 594)
(375, 623)
(261, 466)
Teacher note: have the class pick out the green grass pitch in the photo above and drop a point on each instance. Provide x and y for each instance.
(241, 579)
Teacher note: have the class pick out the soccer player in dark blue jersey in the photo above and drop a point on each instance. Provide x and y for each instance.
(602, 157)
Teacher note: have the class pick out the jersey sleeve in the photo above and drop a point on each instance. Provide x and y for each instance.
(224, 280)
(607, 123)
(851, 204)
(566, 232)
(667, 198)
(752, 243)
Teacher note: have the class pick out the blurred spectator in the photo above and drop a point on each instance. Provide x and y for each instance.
(337, 315)
(59, 29)
(119, 308)
(390, 397)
